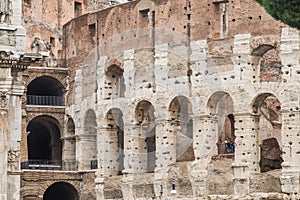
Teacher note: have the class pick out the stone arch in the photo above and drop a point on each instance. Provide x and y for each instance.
(145, 118)
(267, 63)
(267, 108)
(89, 140)
(61, 191)
(220, 106)
(59, 74)
(45, 90)
(114, 82)
(180, 111)
(114, 131)
(69, 146)
(43, 142)
(90, 123)
(35, 112)
(70, 127)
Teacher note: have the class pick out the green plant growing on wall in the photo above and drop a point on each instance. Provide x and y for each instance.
(287, 11)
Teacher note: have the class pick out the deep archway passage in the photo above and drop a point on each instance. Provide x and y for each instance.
(61, 191)
(221, 109)
(269, 122)
(115, 133)
(144, 115)
(180, 111)
(43, 140)
(45, 90)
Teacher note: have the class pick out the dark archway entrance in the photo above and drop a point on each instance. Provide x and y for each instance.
(61, 191)
(45, 91)
(180, 110)
(44, 144)
(144, 114)
(269, 122)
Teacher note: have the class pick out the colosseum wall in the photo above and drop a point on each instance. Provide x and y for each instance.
(169, 83)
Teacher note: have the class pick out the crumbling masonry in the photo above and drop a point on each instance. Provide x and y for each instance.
(144, 98)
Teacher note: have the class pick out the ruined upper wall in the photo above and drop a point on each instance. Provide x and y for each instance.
(207, 19)
(94, 5)
(44, 21)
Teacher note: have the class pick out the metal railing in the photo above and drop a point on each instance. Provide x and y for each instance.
(70, 166)
(45, 100)
(42, 165)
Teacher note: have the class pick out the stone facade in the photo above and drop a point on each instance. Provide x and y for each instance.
(145, 98)
(187, 76)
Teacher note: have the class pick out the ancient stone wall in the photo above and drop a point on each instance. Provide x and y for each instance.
(191, 73)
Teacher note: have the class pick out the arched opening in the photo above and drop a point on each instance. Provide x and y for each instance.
(44, 144)
(115, 133)
(70, 127)
(69, 146)
(45, 91)
(90, 143)
(220, 105)
(114, 83)
(268, 66)
(268, 109)
(61, 191)
(144, 115)
(181, 116)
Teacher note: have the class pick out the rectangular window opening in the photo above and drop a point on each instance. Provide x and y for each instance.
(52, 41)
(77, 9)
(92, 29)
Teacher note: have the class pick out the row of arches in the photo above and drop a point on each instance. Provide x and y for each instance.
(45, 141)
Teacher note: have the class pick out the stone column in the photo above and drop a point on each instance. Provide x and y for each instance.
(127, 186)
(69, 153)
(165, 143)
(87, 151)
(202, 130)
(135, 160)
(3, 150)
(108, 149)
(291, 148)
(99, 188)
(165, 153)
(246, 151)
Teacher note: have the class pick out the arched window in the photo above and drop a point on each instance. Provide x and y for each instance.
(144, 116)
(180, 111)
(115, 134)
(44, 144)
(221, 110)
(69, 146)
(114, 83)
(61, 191)
(268, 67)
(90, 145)
(268, 108)
(46, 91)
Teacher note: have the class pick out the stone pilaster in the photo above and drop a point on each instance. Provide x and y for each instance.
(199, 177)
(246, 132)
(135, 150)
(108, 148)
(86, 150)
(246, 151)
(205, 138)
(3, 149)
(165, 143)
(241, 181)
(99, 188)
(291, 148)
(129, 72)
(69, 153)
(127, 187)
